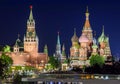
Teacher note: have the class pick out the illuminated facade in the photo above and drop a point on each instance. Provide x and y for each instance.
(26, 53)
(31, 39)
(85, 46)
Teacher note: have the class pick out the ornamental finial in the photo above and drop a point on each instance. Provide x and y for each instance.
(31, 7)
(87, 10)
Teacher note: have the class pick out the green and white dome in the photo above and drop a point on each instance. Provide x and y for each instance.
(102, 38)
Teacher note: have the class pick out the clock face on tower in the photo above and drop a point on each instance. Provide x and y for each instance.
(30, 33)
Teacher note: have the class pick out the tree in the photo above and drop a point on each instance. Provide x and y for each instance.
(5, 63)
(6, 49)
(97, 60)
(53, 62)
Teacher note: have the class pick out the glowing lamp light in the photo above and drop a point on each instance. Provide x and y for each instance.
(59, 82)
(51, 82)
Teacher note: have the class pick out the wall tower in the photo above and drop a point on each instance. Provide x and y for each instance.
(31, 38)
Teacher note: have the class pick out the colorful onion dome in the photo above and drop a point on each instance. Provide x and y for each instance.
(83, 38)
(94, 46)
(102, 38)
(74, 37)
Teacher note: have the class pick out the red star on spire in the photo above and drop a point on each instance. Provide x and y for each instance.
(31, 7)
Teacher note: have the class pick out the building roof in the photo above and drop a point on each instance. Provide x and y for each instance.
(102, 38)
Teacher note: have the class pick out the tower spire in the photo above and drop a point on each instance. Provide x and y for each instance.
(58, 48)
(87, 10)
(30, 37)
(31, 14)
(58, 39)
(87, 13)
(87, 30)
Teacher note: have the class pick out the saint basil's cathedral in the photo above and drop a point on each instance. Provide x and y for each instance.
(86, 45)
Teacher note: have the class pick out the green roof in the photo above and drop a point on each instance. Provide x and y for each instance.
(102, 38)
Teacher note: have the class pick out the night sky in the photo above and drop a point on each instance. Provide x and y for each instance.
(52, 16)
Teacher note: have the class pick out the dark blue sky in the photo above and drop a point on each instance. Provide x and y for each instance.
(52, 16)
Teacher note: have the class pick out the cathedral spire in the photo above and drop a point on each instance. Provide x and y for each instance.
(31, 14)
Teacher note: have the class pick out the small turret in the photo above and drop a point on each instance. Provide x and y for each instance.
(46, 49)
(18, 45)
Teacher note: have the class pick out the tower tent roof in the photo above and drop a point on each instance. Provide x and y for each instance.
(58, 39)
(31, 14)
(87, 22)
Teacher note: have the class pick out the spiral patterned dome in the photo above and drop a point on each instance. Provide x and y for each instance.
(74, 37)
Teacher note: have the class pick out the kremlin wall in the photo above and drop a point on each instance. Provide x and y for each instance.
(26, 52)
